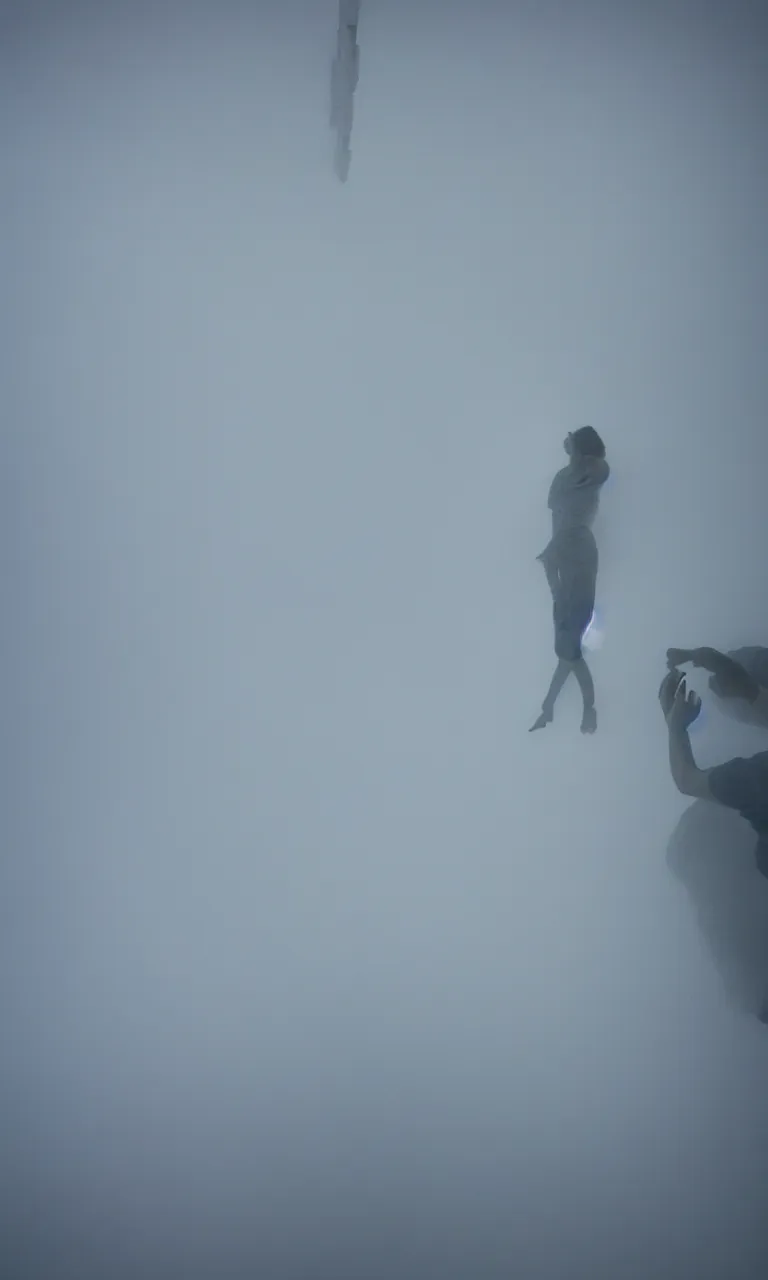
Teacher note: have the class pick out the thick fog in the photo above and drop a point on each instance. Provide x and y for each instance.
(315, 964)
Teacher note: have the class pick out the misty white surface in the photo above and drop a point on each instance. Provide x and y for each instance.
(312, 954)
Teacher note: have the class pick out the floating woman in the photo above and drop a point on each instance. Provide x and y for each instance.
(570, 563)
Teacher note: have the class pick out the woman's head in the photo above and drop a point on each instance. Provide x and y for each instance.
(584, 442)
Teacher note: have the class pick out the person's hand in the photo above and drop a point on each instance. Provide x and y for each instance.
(680, 707)
(709, 659)
(677, 657)
(730, 680)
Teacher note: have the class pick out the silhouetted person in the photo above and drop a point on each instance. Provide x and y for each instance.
(344, 76)
(739, 679)
(740, 784)
(570, 563)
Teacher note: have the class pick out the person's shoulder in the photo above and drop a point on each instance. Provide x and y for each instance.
(738, 781)
(757, 762)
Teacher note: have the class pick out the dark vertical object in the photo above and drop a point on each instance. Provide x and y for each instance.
(344, 73)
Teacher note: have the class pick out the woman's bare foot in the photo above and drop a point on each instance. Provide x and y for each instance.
(544, 719)
(589, 720)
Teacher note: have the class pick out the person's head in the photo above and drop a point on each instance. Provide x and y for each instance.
(584, 442)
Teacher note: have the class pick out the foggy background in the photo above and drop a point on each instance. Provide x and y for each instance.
(315, 965)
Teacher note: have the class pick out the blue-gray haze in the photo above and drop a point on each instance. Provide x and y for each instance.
(315, 964)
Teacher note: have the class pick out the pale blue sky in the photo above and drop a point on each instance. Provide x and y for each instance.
(312, 953)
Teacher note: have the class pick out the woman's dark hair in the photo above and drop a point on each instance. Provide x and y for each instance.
(587, 442)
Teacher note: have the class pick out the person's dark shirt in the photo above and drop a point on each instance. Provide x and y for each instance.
(742, 784)
(711, 854)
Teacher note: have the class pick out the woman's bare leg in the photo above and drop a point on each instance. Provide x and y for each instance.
(562, 672)
(549, 565)
(586, 684)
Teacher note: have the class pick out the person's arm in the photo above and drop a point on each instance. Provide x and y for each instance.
(680, 708)
(689, 779)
